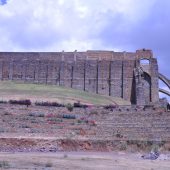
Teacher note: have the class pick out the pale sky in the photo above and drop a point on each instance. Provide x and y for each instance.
(56, 25)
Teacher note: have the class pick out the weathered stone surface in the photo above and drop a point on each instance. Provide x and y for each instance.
(104, 72)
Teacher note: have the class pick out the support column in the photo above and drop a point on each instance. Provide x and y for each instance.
(84, 75)
(122, 87)
(97, 77)
(11, 65)
(154, 81)
(72, 71)
(72, 68)
(38, 71)
(109, 81)
(59, 73)
(24, 70)
(2, 68)
(140, 98)
(46, 74)
(34, 76)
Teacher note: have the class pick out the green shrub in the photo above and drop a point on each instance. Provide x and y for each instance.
(79, 121)
(4, 164)
(54, 104)
(118, 134)
(69, 106)
(24, 126)
(26, 102)
(155, 148)
(66, 116)
(123, 145)
(7, 113)
(94, 112)
(41, 115)
(2, 130)
(36, 114)
(3, 102)
(48, 164)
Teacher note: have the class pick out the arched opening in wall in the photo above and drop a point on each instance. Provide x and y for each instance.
(144, 61)
(163, 95)
(146, 82)
(164, 90)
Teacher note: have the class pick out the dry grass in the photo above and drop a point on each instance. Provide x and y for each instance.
(16, 90)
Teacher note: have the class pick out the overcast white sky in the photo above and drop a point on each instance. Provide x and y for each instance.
(56, 25)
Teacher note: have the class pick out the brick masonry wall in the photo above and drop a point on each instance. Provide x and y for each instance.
(116, 78)
(104, 72)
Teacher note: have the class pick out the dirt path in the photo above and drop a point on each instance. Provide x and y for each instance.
(80, 161)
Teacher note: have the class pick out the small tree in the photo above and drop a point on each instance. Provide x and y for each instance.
(69, 106)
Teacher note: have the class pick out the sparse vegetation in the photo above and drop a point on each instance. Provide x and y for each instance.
(26, 102)
(40, 115)
(92, 122)
(2, 130)
(146, 144)
(54, 93)
(3, 102)
(93, 112)
(66, 116)
(103, 112)
(143, 144)
(118, 134)
(79, 105)
(4, 164)
(69, 106)
(39, 124)
(7, 113)
(24, 126)
(34, 121)
(123, 145)
(155, 148)
(79, 121)
(54, 104)
(48, 165)
(110, 107)
(54, 120)
(32, 114)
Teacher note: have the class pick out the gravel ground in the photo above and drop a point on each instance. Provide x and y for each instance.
(82, 161)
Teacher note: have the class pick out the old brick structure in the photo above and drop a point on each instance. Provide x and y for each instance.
(118, 74)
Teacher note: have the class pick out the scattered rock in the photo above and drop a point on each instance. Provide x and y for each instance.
(151, 156)
(163, 157)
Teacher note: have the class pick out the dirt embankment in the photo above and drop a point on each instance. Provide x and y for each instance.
(52, 129)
